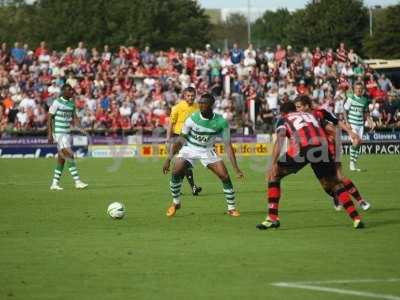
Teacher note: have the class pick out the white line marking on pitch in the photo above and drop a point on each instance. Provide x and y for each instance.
(310, 285)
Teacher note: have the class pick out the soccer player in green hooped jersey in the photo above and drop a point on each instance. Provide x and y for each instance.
(61, 115)
(356, 107)
(199, 134)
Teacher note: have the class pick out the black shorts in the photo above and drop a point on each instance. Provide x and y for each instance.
(323, 167)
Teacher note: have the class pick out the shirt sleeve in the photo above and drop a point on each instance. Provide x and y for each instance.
(53, 108)
(187, 126)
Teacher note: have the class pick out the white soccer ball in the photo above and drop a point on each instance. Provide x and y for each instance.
(116, 210)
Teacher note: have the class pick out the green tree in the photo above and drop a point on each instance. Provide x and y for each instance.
(232, 30)
(296, 34)
(385, 42)
(16, 19)
(326, 23)
(270, 29)
(61, 23)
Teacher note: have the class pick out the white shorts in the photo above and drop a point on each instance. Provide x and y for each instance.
(191, 154)
(64, 141)
(359, 130)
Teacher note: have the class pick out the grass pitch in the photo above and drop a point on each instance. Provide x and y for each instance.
(62, 245)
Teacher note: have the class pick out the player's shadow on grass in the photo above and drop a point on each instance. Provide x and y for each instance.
(376, 211)
(382, 223)
(221, 194)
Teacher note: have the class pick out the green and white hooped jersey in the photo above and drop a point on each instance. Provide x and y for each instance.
(63, 111)
(202, 133)
(356, 107)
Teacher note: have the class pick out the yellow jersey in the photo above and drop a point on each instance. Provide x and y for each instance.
(179, 113)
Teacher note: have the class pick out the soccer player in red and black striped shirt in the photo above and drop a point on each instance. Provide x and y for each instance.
(307, 145)
(329, 122)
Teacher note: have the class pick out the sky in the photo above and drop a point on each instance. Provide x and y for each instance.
(274, 4)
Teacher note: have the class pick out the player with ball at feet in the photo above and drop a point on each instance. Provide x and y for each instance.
(197, 141)
(61, 115)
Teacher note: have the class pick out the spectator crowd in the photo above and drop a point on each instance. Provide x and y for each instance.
(130, 89)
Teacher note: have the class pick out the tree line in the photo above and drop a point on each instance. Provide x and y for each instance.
(183, 23)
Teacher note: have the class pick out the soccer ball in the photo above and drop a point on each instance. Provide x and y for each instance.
(116, 210)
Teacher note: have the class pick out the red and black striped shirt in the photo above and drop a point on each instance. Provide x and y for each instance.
(323, 116)
(303, 130)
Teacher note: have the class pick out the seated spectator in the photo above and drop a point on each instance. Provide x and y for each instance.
(391, 111)
(3, 120)
(102, 119)
(22, 120)
(40, 118)
(87, 120)
(265, 118)
(125, 110)
(272, 99)
(375, 113)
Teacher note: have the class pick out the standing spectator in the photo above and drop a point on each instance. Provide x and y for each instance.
(307, 58)
(341, 56)
(42, 48)
(269, 54)
(215, 67)
(317, 56)
(352, 57)
(290, 55)
(330, 57)
(80, 52)
(106, 56)
(249, 63)
(162, 61)
(236, 54)
(146, 56)
(385, 84)
(280, 54)
(18, 53)
(44, 60)
(249, 51)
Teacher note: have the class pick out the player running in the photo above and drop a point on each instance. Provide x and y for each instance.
(179, 113)
(61, 115)
(197, 141)
(357, 107)
(329, 122)
(307, 145)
